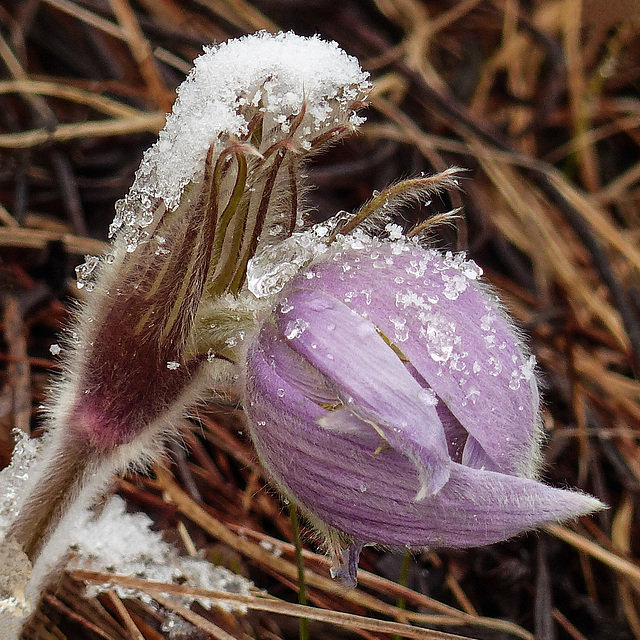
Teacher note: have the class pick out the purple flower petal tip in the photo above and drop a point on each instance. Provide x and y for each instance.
(345, 565)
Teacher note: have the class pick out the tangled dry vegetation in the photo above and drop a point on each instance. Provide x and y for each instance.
(540, 102)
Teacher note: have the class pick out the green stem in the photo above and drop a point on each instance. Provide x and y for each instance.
(302, 587)
(404, 578)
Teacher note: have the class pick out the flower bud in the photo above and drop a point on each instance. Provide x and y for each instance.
(163, 306)
(390, 397)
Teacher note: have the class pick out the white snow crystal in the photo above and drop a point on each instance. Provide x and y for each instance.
(295, 329)
(229, 84)
(113, 540)
(85, 272)
(15, 568)
(394, 231)
(124, 544)
(13, 479)
(270, 270)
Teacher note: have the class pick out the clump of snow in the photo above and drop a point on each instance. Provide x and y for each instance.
(16, 573)
(13, 479)
(15, 568)
(113, 540)
(276, 75)
(124, 544)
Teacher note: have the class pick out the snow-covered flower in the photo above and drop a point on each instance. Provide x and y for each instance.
(390, 398)
(163, 316)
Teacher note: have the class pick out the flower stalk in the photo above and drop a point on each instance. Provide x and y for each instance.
(302, 584)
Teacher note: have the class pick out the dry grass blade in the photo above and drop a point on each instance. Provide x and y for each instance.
(191, 616)
(579, 104)
(390, 589)
(123, 614)
(68, 92)
(142, 53)
(407, 131)
(82, 621)
(346, 620)
(621, 565)
(88, 17)
(621, 539)
(529, 207)
(101, 129)
(241, 14)
(37, 239)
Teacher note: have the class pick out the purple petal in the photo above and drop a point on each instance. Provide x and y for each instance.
(370, 379)
(345, 568)
(342, 480)
(452, 332)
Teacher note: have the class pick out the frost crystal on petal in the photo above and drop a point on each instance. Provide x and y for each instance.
(275, 265)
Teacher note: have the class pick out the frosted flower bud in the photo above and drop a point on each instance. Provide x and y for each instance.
(164, 315)
(281, 95)
(390, 398)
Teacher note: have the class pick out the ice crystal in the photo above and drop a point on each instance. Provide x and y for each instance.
(13, 479)
(85, 272)
(276, 264)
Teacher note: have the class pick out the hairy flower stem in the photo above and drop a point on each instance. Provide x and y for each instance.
(302, 585)
(119, 409)
(61, 481)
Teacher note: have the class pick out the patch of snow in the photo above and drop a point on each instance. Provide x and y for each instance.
(276, 75)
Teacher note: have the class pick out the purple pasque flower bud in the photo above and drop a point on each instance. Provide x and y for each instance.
(390, 397)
